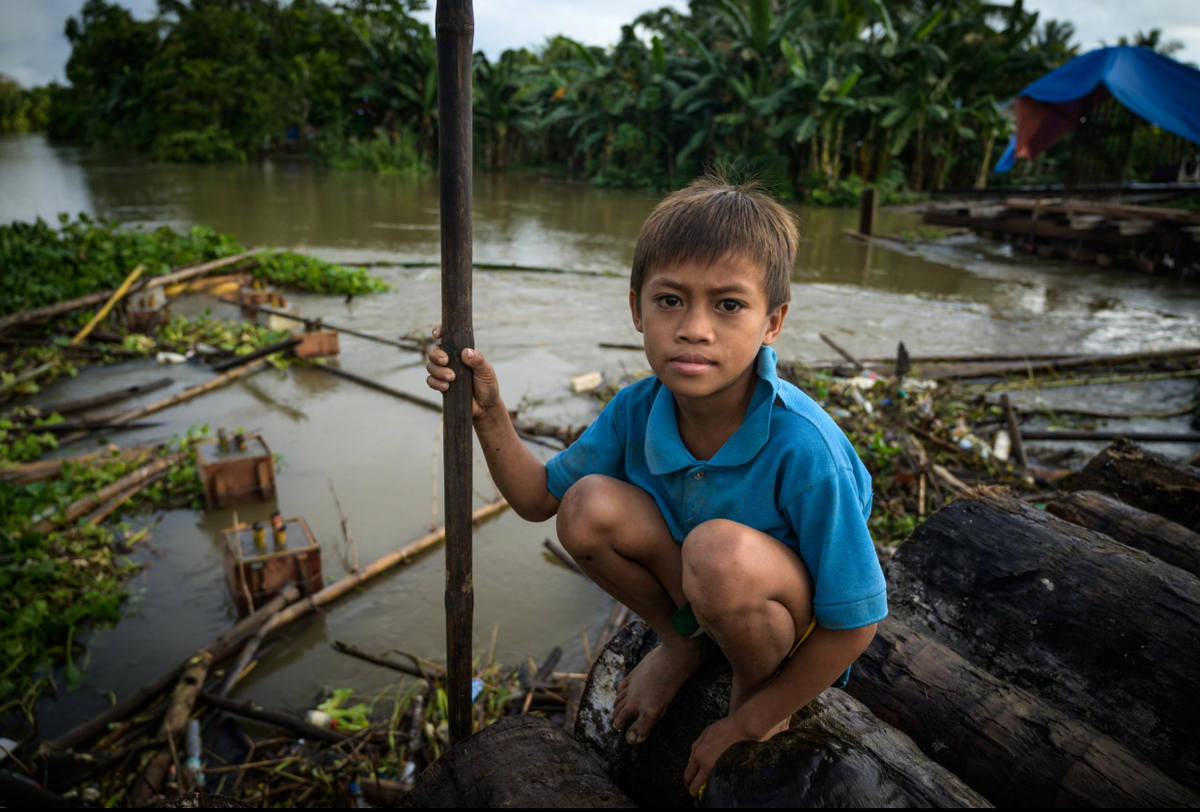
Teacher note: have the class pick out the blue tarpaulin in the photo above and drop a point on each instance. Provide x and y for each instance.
(1155, 87)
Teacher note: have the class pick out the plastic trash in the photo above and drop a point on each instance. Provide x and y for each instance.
(586, 382)
(476, 689)
(170, 358)
(193, 765)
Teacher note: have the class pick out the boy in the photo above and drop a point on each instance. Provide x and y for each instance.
(711, 496)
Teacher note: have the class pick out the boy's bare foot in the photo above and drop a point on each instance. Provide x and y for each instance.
(643, 696)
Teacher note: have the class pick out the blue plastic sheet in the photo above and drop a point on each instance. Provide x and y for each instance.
(1153, 86)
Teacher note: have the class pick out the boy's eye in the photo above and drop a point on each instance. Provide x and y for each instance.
(736, 305)
(668, 299)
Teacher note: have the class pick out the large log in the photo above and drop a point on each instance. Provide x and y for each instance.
(89, 503)
(836, 753)
(1162, 538)
(1002, 740)
(1145, 480)
(150, 780)
(1105, 632)
(519, 761)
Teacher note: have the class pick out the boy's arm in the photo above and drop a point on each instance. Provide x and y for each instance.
(519, 475)
(818, 663)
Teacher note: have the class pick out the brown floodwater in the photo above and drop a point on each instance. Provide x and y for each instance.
(966, 296)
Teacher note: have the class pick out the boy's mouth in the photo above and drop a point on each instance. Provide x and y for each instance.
(691, 364)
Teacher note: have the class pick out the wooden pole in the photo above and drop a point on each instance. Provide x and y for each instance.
(866, 212)
(455, 24)
(108, 306)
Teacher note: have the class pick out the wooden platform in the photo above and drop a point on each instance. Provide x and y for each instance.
(1149, 239)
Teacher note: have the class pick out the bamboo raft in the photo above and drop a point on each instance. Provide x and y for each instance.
(1149, 239)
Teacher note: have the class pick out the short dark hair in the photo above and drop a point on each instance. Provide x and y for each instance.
(712, 218)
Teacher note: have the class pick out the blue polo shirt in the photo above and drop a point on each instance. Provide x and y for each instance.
(788, 471)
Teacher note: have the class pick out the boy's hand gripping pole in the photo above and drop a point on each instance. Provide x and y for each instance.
(455, 26)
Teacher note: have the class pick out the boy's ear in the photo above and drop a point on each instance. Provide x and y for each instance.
(775, 323)
(635, 310)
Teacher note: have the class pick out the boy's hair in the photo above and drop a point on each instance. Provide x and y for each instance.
(710, 219)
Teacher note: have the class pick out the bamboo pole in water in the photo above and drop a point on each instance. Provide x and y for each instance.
(455, 24)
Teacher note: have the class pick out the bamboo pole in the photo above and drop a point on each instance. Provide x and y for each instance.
(49, 311)
(455, 25)
(336, 590)
(187, 394)
(90, 503)
(108, 306)
(321, 324)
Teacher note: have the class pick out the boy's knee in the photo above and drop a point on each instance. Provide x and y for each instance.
(588, 510)
(719, 565)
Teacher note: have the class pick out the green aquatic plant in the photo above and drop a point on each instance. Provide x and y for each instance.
(304, 272)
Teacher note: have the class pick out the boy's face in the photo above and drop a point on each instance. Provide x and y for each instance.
(703, 325)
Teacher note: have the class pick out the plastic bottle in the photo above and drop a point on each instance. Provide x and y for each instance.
(193, 766)
(279, 528)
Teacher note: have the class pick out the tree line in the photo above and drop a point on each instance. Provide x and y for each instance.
(819, 97)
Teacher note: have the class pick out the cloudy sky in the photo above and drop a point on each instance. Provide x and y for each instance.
(33, 49)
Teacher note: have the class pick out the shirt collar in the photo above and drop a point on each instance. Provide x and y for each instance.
(665, 451)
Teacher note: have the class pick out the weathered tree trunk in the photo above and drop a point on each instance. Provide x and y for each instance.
(1099, 629)
(1145, 480)
(1002, 740)
(1162, 538)
(150, 780)
(835, 754)
(520, 761)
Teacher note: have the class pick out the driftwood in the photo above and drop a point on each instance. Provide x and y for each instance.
(279, 720)
(1162, 538)
(83, 404)
(1101, 630)
(379, 565)
(119, 418)
(1101, 436)
(519, 761)
(1024, 366)
(261, 352)
(321, 324)
(219, 648)
(563, 556)
(387, 662)
(1002, 740)
(836, 753)
(100, 296)
(112, 505)
(1145, 480)
(380, 387)
(150, 781)
(108, 306)
(89, 503)
(52, 469)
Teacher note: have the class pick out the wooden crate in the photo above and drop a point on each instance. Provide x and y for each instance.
(147, 312)
(236, 477)
(267, 296)
(316, 344)
(256, 574)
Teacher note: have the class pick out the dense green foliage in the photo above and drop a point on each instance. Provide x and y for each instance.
(808, 94)
(47, 264)
(22, 110)
(55, 585)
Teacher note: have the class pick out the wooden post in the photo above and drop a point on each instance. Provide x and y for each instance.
(866, 212)
(455, 24)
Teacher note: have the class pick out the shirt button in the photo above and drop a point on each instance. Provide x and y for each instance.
(698, 475)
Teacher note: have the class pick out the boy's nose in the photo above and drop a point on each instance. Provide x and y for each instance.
(694, 327)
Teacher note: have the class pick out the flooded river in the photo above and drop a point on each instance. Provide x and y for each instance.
(967, 296)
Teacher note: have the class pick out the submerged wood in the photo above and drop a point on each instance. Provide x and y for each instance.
(219, 648)
(89, 503)
(518, 762)
(1145, 480)
(1000, 739)
(386, 662)
(563, 556)
(410, 344)
(49, 311)
(853, 361)
(1100, 630)
(279, 720)
(118, 418)
(379, 387)
(379, 565)
(43, 470)
(103, 399)
(179, 710)
(108, 508)
(261, 352)
(837, 753)
(1161, 537)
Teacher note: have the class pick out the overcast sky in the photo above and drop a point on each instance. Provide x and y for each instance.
(34, 51)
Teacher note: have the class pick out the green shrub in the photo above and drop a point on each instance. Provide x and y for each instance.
(209, 145)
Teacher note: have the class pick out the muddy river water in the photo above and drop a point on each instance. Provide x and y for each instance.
(966, 296)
